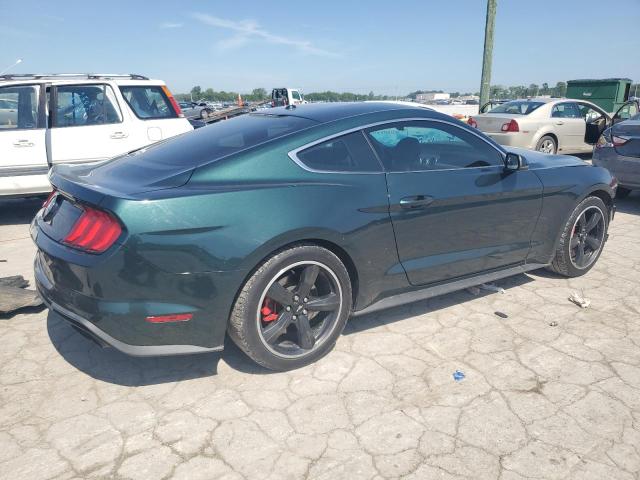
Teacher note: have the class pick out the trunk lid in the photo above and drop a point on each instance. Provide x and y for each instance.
(630, 130)
(492, 122)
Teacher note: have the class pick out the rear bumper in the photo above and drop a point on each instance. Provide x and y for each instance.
(625, 169)
(111, 300)
(104, 338)
(511, 139)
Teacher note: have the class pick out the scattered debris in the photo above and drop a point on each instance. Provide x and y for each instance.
(553, 324)
(492, 288)
(579, 300)
(13, 294)
(458, 376)
(475, 291)
(501, 314)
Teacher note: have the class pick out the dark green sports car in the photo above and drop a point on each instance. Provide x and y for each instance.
(277, 226)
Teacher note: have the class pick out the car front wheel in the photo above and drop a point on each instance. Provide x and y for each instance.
(292, 310)
(582, 238)
(547, 144)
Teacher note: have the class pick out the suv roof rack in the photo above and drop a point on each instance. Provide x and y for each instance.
(89, 76)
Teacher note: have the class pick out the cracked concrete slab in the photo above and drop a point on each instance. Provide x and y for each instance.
(552, 391)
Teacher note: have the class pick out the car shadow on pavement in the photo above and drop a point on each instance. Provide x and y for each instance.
(422, 307)
(18, 211)
(113, 366)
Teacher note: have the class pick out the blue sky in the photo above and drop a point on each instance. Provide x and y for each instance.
(388, 47)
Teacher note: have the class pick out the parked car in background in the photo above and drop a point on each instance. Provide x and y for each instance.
(277, 226)
(196, 110)
(548, 125)
(618, 150)
(281, 97)
(47, 120)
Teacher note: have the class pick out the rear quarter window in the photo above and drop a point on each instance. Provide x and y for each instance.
(148, 102)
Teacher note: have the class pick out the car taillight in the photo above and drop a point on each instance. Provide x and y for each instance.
(618, 141)
(174, 104)
(95, 231)
(511, 126)
(472, 122)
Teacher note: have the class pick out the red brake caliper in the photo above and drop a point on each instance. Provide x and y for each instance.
(268, 310)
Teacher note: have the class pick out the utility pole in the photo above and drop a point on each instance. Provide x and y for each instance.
(485, 82)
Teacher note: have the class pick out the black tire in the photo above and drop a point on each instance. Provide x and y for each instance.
(246, 327)
(563, 263)
(547, 140)
(622, 192)
(204, 114)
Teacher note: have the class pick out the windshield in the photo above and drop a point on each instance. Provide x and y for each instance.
(518, 107)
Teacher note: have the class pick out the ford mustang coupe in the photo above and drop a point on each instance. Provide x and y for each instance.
(277, 226)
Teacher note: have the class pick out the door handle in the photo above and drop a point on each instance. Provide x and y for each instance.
(23, 143)
(559, 122)
(415, 202)
(117, 135)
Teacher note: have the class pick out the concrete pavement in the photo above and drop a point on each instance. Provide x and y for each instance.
(552, 391)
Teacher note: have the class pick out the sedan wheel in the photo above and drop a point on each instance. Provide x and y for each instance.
(547, 145)
(204, 114)
(293, 308)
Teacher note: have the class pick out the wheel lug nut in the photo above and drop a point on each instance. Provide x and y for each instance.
(304, 312)
(296, 298)
(288, 309)
(295, 317)
(305, 299)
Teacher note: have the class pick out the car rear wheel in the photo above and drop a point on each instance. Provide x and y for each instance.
(582, 238)
(292, 310)
(547, 144)
(204, 114)
(622, 192)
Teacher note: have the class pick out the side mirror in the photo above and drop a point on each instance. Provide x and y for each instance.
(514, 162)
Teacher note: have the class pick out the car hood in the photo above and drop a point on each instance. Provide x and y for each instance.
(538, 160)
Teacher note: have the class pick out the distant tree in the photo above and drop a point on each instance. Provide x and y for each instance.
(196, 92)
(209, 94)
(532, 91)
(545, 89)
(258, 94)
(371, 95)
(560, 90)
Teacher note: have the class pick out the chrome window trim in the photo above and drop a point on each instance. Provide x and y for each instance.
(293, 154)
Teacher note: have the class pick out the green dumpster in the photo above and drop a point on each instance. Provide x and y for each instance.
(609, 94)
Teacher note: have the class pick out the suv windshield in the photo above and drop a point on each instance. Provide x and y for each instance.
(518, 107)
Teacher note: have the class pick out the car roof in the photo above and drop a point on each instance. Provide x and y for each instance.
(77, 79)
(327, 112)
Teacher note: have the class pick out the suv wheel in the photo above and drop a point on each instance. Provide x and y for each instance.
(293, 308)
(582, 238)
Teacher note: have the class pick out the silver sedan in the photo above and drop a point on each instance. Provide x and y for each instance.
(548, 125)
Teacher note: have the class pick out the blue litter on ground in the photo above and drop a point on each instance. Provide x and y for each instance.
(458, 375)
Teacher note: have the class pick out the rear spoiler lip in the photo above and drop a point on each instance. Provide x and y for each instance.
(61, 181)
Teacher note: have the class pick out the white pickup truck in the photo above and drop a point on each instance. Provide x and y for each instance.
(70, 118)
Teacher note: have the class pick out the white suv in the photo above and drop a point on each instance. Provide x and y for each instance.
(70, 118)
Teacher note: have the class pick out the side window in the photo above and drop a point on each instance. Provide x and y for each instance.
(19, 107)
(348, 153)
(148, 102)
(416, 146)
(627, 111)
(84, 105)
(589, 113)
(565, 110)
(295, 95)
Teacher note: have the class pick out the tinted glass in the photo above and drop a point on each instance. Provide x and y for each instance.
(416, 146)
(82, 105)
(349, 153)
(566, 110)
(589, 113)
(148, 102)
(209, 143)
(18, 107)
(517, 107)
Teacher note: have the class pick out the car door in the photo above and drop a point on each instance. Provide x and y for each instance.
(596, 121)
(87, 124)
(454, 209)
(569, 126)
(626, 111)
(22, 130)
